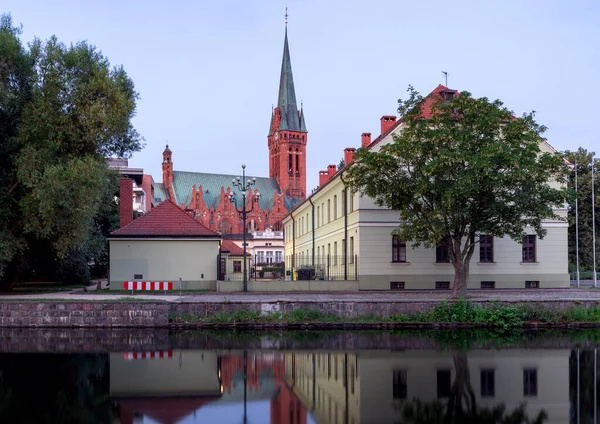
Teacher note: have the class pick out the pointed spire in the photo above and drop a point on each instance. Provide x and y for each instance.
(302, 123)
(288, 108)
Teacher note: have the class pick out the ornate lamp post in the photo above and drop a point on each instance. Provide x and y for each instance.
(244, 186)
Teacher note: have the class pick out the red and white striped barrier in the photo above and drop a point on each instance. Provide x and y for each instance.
(148, 355)
(148, 285)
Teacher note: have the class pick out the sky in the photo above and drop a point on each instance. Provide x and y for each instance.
(207, 72)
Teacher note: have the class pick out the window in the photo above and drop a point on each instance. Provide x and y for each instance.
(278, 257)
(237, 266)
(335, 258)
(530, 382)
(322, 213)
(399, 388)
(318, 212)
(351, 259)
(486, 248)
(261, 257)
(529, 248)
(398, 250)
(307, 223)
(328, 210)
(290, 163)
(397, 285)
(487, 383)
(444, 382)
(442, 285)
(441, 251)
(532, 284)
(488, 284)
(351, 198)
(335, 207)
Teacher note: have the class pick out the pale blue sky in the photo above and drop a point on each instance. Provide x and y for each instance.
(208, 71)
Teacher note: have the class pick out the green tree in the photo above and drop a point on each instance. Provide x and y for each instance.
(583, 159)
(471, 168)
(71, 111)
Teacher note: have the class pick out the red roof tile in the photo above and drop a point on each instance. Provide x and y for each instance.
(232, 248)
(165, 220)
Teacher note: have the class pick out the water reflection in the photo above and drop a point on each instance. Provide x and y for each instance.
(510, 386)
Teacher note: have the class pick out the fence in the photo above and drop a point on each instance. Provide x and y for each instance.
(232, 269)
(327, 267)
(299, 267)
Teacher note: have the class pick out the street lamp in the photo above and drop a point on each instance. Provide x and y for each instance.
(244, 186)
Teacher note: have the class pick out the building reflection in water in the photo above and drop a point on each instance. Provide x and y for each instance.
(368, 386)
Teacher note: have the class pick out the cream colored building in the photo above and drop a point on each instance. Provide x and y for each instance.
(347, 237)
(375, 386)
(165, 244)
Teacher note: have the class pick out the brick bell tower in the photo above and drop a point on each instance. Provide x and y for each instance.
(288, 135)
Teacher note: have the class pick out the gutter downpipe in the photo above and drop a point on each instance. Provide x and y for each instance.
(293, 243)
(345, 203)
(312, 218)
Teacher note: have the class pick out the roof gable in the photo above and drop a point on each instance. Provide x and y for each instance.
(232, 248)
(165, 220)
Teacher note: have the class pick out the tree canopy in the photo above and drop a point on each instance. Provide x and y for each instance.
(459, 168)
(63, 110)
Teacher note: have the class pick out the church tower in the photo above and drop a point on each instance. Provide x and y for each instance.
(287, 135)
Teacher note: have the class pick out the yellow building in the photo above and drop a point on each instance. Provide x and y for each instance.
(341, 236)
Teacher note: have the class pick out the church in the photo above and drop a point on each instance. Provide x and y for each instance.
(206, 196)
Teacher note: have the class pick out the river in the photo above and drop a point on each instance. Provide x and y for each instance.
(162, 376)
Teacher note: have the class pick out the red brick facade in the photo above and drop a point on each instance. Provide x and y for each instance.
(287, 158)
(225, 219)
(125, 201)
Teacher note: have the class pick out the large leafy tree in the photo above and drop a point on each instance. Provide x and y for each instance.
(63, 110)
(461, 168)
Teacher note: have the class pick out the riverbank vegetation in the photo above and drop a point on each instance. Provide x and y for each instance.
(496, 315)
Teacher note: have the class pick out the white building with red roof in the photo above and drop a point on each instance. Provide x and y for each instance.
(164, 245)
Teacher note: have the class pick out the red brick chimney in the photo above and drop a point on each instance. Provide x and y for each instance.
(323, 177)
(348, 155)
(125, 201)
(386, 122)
(365, 139)
(331, 170)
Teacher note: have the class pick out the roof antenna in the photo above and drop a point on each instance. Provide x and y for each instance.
(446, 75)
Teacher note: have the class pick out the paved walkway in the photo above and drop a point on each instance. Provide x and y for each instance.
(572, 294)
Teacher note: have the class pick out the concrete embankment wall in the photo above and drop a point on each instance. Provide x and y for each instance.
(104, 314)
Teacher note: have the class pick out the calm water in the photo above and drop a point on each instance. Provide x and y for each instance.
(297, 378)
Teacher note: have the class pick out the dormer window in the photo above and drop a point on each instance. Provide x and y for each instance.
(447, 95)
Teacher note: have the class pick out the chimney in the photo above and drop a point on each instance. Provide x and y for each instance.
(365, 139)
(323, 177)
(125, 201)
(348, 155)
(331, 169)
(386, 122)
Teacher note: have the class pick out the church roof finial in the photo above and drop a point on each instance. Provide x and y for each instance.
(286, 16)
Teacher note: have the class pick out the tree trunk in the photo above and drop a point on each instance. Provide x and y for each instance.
(459, 288)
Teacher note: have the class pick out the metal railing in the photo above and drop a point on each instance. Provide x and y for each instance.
(328, 267)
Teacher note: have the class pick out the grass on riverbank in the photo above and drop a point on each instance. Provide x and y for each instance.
(494, 315)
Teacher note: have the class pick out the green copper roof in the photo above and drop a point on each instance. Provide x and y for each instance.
(211, 189)
(160, 194)
(288, 108)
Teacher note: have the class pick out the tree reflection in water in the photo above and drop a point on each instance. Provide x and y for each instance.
(47, 388)
(461, 407)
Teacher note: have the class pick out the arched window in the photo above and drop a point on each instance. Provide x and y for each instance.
(225, 226)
